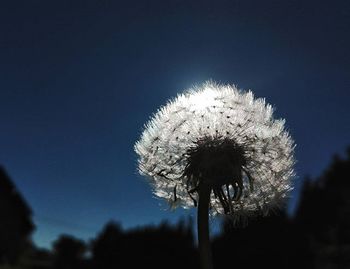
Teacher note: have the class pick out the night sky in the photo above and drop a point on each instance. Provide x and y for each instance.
(78, 79)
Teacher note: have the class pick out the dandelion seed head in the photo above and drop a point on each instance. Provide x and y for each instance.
(224, 137)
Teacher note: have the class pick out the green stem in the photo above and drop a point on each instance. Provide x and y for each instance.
(203, 227)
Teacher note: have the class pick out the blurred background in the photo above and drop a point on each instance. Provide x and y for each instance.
(79, 79)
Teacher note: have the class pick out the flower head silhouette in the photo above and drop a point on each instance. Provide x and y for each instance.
(217, 141)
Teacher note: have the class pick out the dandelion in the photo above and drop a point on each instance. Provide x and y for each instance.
(218, 148)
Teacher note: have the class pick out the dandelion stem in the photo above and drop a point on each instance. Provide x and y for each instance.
(203, 227)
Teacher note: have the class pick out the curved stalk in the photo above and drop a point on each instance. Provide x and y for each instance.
(203, 227)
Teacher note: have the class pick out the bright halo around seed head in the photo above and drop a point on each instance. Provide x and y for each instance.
(218, 135)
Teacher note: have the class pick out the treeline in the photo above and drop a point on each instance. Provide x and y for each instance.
(318, 236)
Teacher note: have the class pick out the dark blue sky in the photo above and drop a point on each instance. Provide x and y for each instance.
(78, 79)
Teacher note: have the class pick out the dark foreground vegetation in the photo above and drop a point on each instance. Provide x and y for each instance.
(317, 236)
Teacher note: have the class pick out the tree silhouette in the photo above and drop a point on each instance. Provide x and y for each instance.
(266, 242)
(148, 247)
(107, 247)
(15, 221)
(324, 215)
(68, 253)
